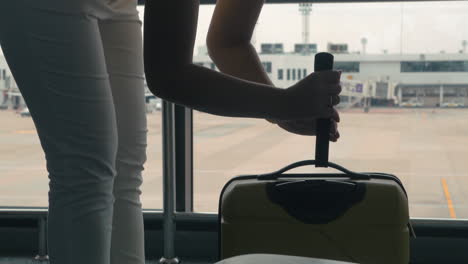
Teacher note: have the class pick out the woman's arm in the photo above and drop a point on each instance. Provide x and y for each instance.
(229, 39)
(229, 46)
(169, 35)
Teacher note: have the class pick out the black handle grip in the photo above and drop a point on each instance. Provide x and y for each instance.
(323, 62)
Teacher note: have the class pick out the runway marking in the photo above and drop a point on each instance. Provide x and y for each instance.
(449, 199)
(25, 132)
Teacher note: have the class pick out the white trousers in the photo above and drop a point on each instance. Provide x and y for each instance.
(79, 66)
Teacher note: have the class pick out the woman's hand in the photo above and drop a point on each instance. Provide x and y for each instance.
(317, 94)
(313, 97)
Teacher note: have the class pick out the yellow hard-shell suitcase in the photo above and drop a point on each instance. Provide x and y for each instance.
(347, 216)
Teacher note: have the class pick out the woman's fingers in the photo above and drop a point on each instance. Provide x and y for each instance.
(329, 89)
(334, 89)
(335, 137)
(335, 100)
(334, 134)
(334, 115)
(313, 96)
(332, 76)
(333, 127)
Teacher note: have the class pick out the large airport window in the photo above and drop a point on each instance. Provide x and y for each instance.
(294, 74)
(347, 66)
(434, 66)
(413, 126)
(299, 72)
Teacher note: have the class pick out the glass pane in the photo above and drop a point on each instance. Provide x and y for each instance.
(403, 112)
(23, 173)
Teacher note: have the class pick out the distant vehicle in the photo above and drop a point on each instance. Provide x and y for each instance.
(158, 104)
(452, 104)
(412, 103)
(25, 112)
(153, 104)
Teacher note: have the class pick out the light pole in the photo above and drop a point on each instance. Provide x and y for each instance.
(364, 44)
(305, 9)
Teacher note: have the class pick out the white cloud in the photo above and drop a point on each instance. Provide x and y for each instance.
(427, 27)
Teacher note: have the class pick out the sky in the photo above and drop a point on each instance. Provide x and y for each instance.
(419, 27)
(428, 27)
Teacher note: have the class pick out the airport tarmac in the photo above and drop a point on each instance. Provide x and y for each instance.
(426, 148)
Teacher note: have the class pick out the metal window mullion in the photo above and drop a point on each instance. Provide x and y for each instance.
(168, 183)
(184, 159)
(42, 239)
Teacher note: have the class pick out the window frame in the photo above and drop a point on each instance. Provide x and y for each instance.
(434, 66)
(348, 66)
(267, 66)
(280, 75)
(183, 127)
(24, 235)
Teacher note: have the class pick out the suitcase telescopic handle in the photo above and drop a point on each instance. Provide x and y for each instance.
(323, 62)
(277, 174)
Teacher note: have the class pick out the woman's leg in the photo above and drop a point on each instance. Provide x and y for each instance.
(58, 63)
(122, 39)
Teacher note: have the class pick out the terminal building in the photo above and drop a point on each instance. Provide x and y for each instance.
(424, 80)
(10, 96)
(428, 80)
